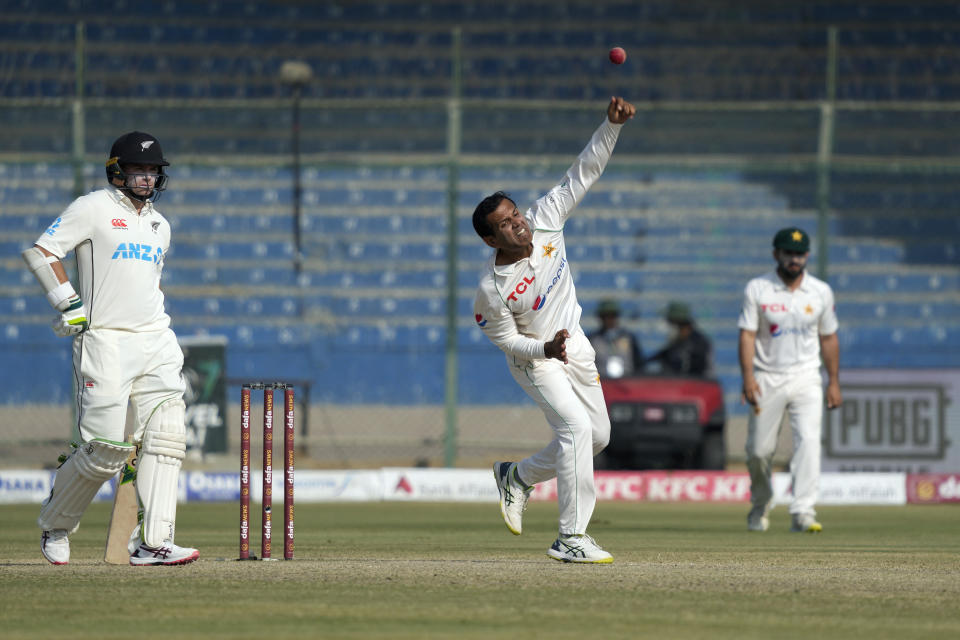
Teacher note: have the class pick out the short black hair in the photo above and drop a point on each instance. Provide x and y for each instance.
(487, 206)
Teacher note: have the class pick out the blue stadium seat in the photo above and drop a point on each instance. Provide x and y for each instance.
(251, 250)
(643, 234)
(227, 276)
(28, 333)
(237, 308)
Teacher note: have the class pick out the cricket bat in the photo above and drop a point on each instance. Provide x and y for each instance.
(123, 519)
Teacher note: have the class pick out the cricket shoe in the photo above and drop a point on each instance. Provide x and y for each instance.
(757, 519)
(166, 554)
(134, 540)
(582, 548)
(805, 523)
(513, 496)
(55, 546)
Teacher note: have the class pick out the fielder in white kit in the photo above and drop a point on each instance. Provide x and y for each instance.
(123, 351)
(787, 323)
(527, 305)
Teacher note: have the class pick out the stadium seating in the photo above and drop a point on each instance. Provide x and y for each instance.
(235, 49)
(367, 304)
(373, 287)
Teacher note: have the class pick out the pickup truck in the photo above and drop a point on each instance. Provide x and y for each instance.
(664, 422)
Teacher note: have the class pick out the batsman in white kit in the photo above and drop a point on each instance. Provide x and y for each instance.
(123, 351)
(527, 305)
(788, 322)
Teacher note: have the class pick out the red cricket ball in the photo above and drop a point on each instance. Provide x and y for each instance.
(618, 55)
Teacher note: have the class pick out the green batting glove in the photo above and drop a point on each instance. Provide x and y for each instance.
(73, 320)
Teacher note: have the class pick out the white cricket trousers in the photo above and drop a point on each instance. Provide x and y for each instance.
(113, 367)
(571, 398)
(800, 395)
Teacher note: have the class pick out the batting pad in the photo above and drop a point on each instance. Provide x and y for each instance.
(78, 480)
(164, 448)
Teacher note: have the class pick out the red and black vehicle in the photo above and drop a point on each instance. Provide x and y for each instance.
(664, 422)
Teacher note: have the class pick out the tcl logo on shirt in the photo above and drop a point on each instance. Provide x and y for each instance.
(119, 223)
(776, 307)
(521, 288)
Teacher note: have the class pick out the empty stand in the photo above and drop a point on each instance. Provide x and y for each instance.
(374, 285)
(367, 307)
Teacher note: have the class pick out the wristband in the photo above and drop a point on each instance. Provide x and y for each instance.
(59, 296)
(73, 304)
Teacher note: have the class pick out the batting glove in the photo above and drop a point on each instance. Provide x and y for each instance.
(73, 320)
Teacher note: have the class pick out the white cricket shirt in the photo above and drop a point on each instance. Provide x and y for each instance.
(788, 323)
(520, 306)
(119, 258)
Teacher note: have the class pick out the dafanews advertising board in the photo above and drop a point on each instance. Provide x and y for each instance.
(933, 488)
(899, 420)
(204, 371)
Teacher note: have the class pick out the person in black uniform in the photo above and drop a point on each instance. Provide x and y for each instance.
(688, 352)
(618, 350)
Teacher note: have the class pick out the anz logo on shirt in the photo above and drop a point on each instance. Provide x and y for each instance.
(52, 229)
(138, 251)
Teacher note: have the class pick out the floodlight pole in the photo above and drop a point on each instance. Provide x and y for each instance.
(79, 121)
(451, 360)
(296, 74)
(825, 154)
(297, 221)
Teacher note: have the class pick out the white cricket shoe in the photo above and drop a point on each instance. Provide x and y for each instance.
(166, 554)
(55, 546)
(580, 548)
(805, 523)
(134, 540)
(757, 519)
(513, 497)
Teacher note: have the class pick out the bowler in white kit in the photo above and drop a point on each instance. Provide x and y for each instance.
(527, 305)
(123, 352)
(788, 322)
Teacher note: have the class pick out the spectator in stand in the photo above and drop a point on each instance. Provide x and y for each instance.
(688, 352)
(618, 350)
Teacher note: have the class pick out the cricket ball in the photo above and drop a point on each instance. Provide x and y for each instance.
(618, 55)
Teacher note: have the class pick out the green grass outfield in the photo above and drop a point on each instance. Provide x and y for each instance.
(408, 570)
